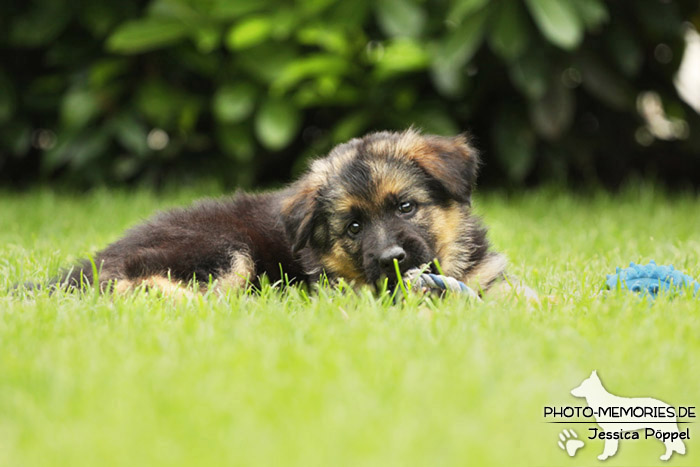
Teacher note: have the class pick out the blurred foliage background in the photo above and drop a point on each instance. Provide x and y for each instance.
(99, 92)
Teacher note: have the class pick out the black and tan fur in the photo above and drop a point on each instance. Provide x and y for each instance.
(410, 194)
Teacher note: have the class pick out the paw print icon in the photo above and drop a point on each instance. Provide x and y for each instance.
(569, 442)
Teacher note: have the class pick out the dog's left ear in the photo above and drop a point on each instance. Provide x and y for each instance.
(303, 219)
(451, 161)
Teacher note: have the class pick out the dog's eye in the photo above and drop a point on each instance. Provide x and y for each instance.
(354, 228)
(406, 207)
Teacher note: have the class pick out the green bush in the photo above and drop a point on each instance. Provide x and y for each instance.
(97, 92)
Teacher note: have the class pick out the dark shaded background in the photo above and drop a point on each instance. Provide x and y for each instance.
(98, 92)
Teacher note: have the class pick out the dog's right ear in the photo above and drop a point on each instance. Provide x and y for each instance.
(302, 216)
(452, 162)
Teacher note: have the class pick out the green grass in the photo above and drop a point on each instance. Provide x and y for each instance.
(343, 378)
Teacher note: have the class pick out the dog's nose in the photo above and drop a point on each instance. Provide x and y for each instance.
(386, 259)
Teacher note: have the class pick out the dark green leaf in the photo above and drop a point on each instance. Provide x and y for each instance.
(593, 13)
(463, 8)
(41, 23)
(530, 74)
(161, 104)
(79, 107)
(314, 7)
(173, 9)
(75, 149)
(249, 32)
(101, 17)
(224, 10)
(400, 56)
(146, 34)
(131, 134)
(325, 37)
(277, 123)
(350, 126)
(431, 119)
(509, 35)
(558, 21)
(236, 141)
(351, 16)
(234, 103)
(207, 39)
(189, 113)
(325, 91)
(461, 44)
(307, 67)
(106, 71)
(400, 18)
(266, 60)
(454, 52)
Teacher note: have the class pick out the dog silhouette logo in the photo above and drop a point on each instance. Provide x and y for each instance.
(621, 418)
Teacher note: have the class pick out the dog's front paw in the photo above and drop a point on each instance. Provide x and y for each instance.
(516, 289)
(529, 294)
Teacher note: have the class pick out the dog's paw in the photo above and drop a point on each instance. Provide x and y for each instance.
(515, 289)
(569, 442)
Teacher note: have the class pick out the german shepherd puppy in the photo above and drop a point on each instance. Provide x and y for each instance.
(384, 197)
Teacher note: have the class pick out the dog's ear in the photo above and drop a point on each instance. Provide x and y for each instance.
(451, 161)
(303, 219)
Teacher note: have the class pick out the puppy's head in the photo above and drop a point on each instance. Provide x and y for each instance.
(383, 199)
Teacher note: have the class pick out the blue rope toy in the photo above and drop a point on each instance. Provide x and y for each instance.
(651, 279)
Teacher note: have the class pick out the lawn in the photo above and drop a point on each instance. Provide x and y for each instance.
(335, 378)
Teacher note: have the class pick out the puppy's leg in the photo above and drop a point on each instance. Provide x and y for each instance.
(164, 285)
(490, 276)
(236, 276)
(228, 265)
(485, 274)
(512, 285)
(240, 273)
